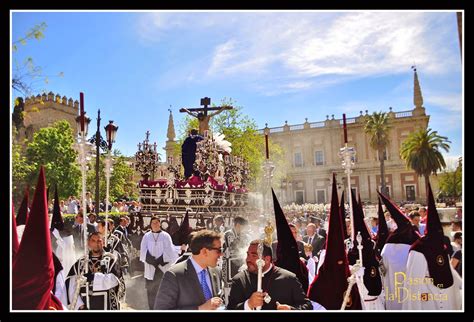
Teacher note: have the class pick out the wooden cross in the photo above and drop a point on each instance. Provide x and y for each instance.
(205, 102)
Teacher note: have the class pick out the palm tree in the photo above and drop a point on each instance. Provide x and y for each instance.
(377, 127)
(421, 152)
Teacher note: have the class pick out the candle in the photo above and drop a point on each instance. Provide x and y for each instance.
(345, 127)
(266, 145)
(81, 99)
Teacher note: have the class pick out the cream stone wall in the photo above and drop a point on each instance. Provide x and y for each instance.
(327, 136)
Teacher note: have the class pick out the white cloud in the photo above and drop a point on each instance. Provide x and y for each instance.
(451, 102)
(298, 47)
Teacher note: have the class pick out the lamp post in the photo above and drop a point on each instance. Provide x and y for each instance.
(110, 132)
(82, 122)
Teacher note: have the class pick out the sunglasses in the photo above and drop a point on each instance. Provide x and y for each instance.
(218, 250)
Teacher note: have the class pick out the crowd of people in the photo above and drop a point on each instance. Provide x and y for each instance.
(217, 268)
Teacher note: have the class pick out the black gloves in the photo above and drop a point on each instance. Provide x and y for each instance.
(154, 261)
(150, 259)
(90, 276)
(160, 261)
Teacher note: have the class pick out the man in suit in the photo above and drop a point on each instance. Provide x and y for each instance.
(319, 230)
(281, 288)
(195, 283)
(312, 238)
(299, 243)
(78, 232)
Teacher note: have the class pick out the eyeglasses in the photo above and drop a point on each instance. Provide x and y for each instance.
(218, 250)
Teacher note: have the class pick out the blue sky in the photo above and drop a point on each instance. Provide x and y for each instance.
(279, 66)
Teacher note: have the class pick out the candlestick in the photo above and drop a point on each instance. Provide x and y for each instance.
(345, 127)
(266, 146)
(81, 99)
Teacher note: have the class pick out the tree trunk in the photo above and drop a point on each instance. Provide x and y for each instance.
(382, 172)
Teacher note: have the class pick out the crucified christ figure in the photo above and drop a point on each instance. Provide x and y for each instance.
(202, 115)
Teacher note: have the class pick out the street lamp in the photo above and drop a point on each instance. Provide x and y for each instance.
(110, 132)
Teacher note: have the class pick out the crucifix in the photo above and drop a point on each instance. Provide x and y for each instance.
(202, 115)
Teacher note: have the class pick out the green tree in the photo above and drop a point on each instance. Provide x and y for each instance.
(450, 183)
(421, 152)
(20, 171)
(378, 128)
(53, 148)
(121, 178)
(242, 132)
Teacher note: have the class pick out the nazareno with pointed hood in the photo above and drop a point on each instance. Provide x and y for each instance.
(181, 236)
(57, 219)
(22, 216)
(432, 247)
(33, 268)
(287, 256)
(372, 278)
(382, 231)
(405, 232)
(329, 286)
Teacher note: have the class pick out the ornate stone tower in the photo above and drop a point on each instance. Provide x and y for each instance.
(170, 147)
(43, 110)
(417, 97)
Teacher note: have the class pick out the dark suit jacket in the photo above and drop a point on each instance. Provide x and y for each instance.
(318, 243)
(282, 286)
(78, 236)
(300, 249)
(321, 232)
(180, 288)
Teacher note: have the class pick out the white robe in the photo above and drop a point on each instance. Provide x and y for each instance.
(163, 246)
(322, 256)
(438, 299)
(65, 250)
(311, 265)
(60, 291)
(369, 303)
(394, 258)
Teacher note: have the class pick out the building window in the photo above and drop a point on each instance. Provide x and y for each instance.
(298, 159)
(299, 197)
(320, 196)
(319, 158)
(410, 192)
(389, 190)
(354, 190)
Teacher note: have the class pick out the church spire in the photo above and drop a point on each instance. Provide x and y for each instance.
(170, 134)
(170, 143)
(417, 97)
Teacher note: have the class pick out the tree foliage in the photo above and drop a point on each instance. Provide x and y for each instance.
(450, 183)
(422, 152)
(121, 178)
(53, 148)
(377, 126)
(20, 171)
(26, 74)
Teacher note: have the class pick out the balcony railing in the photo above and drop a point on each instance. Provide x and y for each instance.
(322, 124)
